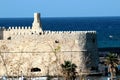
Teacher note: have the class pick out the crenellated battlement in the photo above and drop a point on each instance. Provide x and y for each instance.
(68, 32)
(15, 28)
(36, 29)
(19, 27)
(2, 28)
(27, 30)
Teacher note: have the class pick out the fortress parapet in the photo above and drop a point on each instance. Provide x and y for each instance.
(19, 28)
(36, 29)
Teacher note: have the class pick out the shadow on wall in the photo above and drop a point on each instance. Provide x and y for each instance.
(1, 34)
(89, 52)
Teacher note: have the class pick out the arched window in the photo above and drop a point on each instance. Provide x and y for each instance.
(35, 69)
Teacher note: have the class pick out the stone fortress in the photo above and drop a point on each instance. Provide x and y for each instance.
(24, 48)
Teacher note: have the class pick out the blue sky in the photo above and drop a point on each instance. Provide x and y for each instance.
(59, 8)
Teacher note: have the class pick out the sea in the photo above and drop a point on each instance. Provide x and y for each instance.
(108, 28)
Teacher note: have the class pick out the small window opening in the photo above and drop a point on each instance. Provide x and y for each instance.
(93, 40)
(56, 41)
(9, 38)
(35, 69)
(40, 33)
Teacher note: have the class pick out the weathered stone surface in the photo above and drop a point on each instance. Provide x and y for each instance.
(24, 49)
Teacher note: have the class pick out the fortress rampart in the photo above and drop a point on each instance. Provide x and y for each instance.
(33, 47)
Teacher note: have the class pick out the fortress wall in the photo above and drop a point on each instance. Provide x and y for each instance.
(61, 38)
(74, 46)
(85, 40)
(45, 61)
(23, 48)
(16, 31)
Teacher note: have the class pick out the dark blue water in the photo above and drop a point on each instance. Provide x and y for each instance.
(108, 28)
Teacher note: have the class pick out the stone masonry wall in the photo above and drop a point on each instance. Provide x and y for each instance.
(24, 52)
(24, 48)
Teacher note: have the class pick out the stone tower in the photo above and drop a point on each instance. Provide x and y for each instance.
(89, 57)
(36, 26)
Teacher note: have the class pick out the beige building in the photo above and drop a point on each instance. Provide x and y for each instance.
(24, 48)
